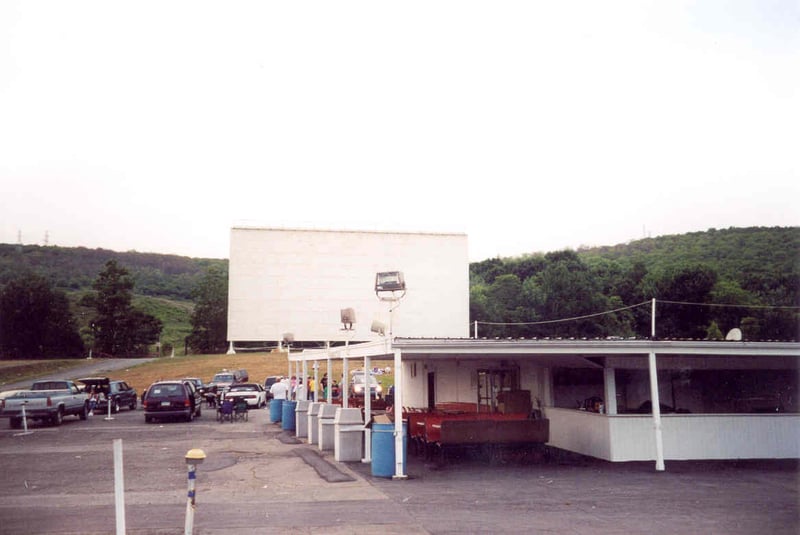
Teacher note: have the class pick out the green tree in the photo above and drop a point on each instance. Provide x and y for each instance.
(713, 332)
(35, 321)
(119, 328)
(683, 291)
(567, 289)
(210, 316)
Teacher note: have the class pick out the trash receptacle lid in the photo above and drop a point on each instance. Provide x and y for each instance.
(313, 408)
(348, 416)
(327, 410)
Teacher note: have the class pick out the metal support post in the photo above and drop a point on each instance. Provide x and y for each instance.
(367, 410)
(399, 439)
(656, 412)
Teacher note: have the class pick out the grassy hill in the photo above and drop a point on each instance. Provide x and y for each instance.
(163, 283)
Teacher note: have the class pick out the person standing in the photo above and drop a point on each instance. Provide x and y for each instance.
(94, 398)
(280, 389)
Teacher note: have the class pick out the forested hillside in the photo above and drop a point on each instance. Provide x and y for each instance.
(706, 283)
(75, 268)
(755, 272)
(163, 286)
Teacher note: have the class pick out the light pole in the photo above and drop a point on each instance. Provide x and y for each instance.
(390, 286)
(193, 458)
(348, 317)
(288, 338)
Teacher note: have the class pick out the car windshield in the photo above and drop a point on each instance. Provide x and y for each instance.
(165, 391)
(223, 378)
(359, 379)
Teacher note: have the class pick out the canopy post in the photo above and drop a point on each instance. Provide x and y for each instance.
(399, 439)
(610, 388)
(656, 403)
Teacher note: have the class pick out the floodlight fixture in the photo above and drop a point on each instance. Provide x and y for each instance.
(390, 281)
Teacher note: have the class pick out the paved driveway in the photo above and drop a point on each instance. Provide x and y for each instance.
(88, 368)
(59, 480)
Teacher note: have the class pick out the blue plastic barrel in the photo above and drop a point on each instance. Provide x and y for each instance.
(383, 449)
(288, 422)
(275, 410)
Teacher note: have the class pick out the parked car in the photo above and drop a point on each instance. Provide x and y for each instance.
(358, 385)
(268, 382)
(196, 396)
(170, 399)
(120, 393)
(45, 401)
(226, 378)
(198, 383)
(253, 393)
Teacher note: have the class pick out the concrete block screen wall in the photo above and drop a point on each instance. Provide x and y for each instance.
(295, 280)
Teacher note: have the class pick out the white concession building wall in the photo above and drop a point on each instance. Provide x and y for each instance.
(297, 280)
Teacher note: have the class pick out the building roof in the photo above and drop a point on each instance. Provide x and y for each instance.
(702, 354)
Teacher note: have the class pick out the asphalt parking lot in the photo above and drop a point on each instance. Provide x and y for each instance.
(59, 480)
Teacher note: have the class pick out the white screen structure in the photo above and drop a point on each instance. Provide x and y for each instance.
(298, 281)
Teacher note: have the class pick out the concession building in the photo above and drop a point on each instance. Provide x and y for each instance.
(613, 399)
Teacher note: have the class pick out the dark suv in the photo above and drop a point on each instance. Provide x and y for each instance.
(227, 378)
(120, 393)
(170, 399)
(268, 382)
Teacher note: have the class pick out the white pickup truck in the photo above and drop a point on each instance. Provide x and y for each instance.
(46, 400)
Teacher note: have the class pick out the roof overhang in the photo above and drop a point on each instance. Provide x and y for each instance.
(698, 354)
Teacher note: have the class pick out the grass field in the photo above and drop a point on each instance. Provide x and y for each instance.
(258, 366)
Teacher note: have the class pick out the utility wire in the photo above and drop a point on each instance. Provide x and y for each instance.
(635, 306)
(566, 319)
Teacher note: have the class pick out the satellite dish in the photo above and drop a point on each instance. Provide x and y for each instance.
(734, 335)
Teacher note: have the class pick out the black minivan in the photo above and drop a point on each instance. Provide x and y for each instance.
(170, 399)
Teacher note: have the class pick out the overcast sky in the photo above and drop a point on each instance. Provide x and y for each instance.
(529, 126)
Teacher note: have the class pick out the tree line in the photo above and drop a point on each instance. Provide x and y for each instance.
(706, 283)
(76, 268)
(36, 320)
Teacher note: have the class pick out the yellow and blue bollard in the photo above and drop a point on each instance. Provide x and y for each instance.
(193, 458)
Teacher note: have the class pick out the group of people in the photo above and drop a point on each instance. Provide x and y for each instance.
(293, 389)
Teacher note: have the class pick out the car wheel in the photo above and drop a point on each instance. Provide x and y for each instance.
(57, 418)
(132, 406)
(148, 419)
(190, 416)
(115, 406)
(84, 413)
(15, 423)
(199, 411)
